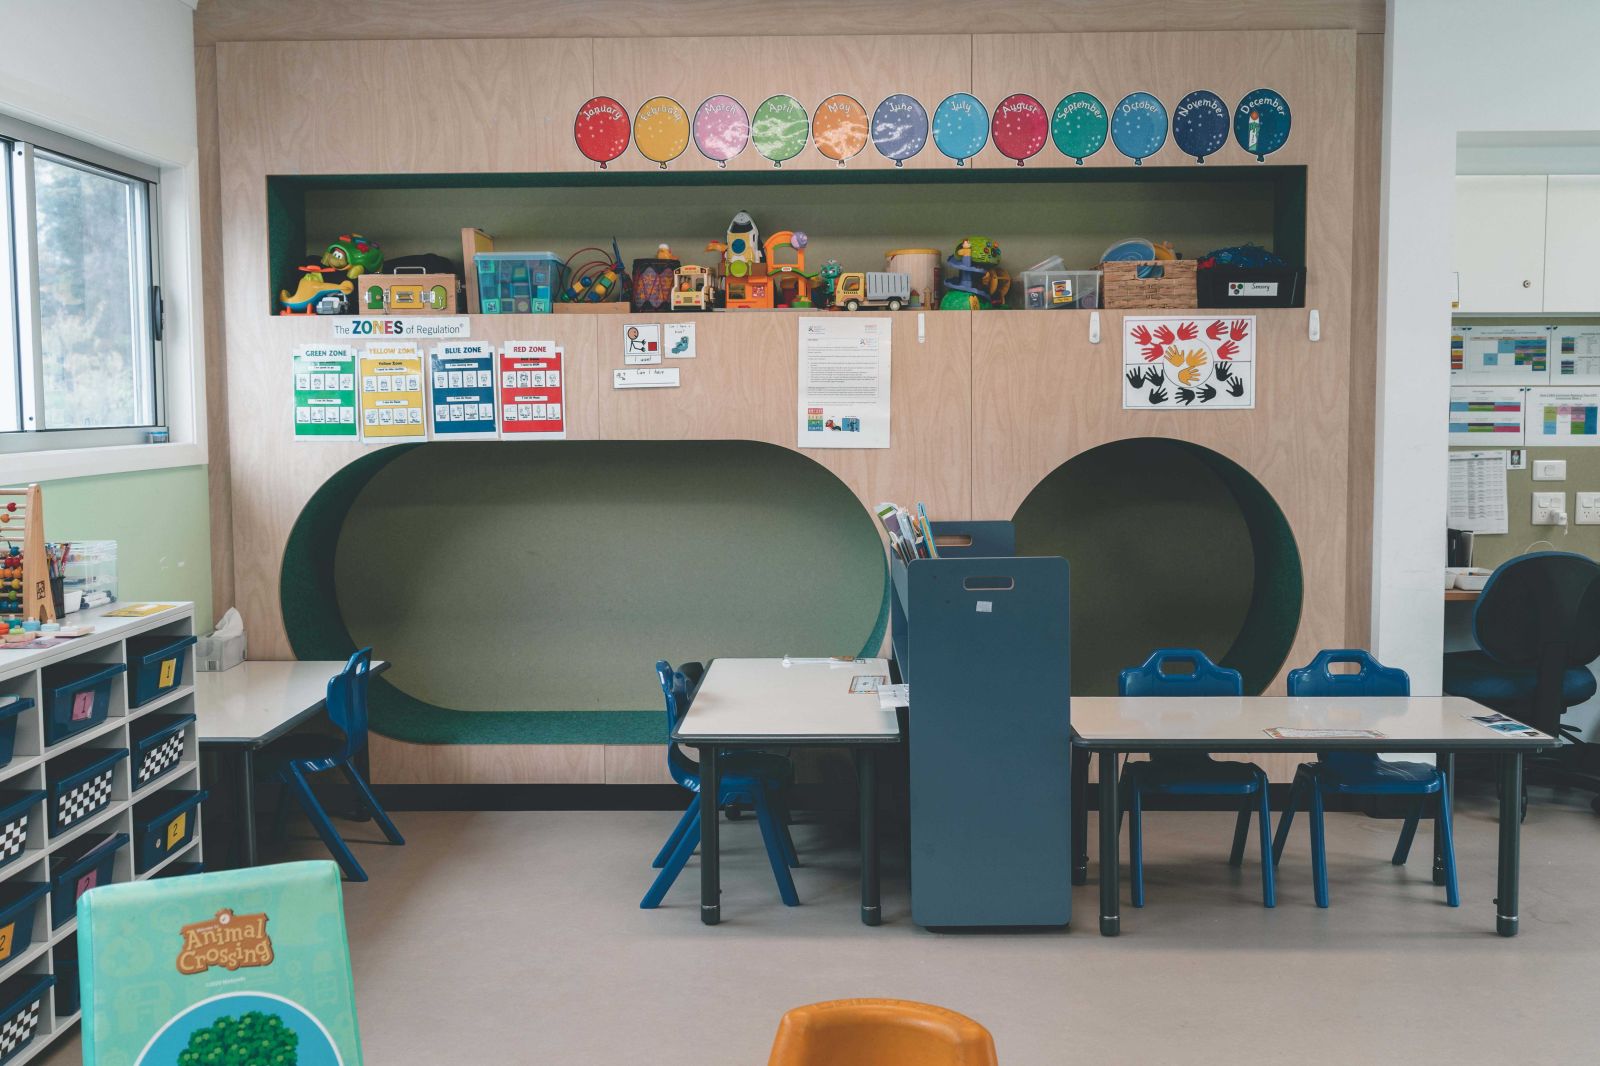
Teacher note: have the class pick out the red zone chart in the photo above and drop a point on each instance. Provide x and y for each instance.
(532, 391)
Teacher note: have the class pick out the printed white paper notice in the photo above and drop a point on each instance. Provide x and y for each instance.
(1478, 491)
(679, 340)
(844, 382)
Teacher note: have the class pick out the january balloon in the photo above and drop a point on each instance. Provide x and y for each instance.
(601, 130)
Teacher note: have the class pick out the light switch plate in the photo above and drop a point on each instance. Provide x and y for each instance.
(1548, 508)
(1588, 509)
(1549, 470)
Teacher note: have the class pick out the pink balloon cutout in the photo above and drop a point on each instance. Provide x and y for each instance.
(721, 129)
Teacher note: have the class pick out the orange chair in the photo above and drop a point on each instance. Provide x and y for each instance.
(880, 1032)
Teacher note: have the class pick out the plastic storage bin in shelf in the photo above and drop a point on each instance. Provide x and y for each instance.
(21, 1004)
(16, 808)
(517, 282)
(79, 783)
(80, 866)
(19, 901)
(10, 708)
(157, 746)
(78, 697)
(1060, 290)
(66, 970)
(164, 824)
(155, 665)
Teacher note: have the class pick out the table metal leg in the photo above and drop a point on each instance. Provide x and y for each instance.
(1110, 871)
(1080, 815)
(1445, 761)
(710, 882)
(867, 782)
(1510, 843)
(247, 804)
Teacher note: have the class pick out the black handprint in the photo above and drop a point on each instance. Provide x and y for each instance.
(1236, 387)
(1155, 375)
(1208, 393)
(1158, 395)
(1186, 396)
(1136, 377)
(1222, 372)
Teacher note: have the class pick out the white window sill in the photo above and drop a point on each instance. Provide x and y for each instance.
(19, 468)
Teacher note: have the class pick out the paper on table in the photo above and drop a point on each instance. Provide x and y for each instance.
(1502, 724)
(138, 610)
(892, 696)
(844, 382)
(1478, 491)
(1292, 733)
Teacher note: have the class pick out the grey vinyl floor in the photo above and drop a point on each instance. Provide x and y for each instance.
(515, 937)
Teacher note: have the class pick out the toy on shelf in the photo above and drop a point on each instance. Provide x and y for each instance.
(922, 264)
(653, 281)
(316, 290)
(28, 570)
(856, 289)
(757, 274)
(596, 280)
(692, 289)
(353, 254)
(517, 282)
(976, 281)
(408, 291)
(1049, 286)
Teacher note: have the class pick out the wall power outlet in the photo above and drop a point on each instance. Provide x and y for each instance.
(1588, 509)
(1549, 509)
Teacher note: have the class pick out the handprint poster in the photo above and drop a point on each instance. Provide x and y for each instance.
(1190, 362)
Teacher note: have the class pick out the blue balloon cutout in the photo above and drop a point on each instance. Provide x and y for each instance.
(899, 128)
(1200, 124)
(1139, 126)
(960, 126)
(1261, 123)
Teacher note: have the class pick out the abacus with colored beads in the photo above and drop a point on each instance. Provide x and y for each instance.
(27, 583)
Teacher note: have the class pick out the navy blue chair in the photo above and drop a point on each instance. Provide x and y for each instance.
(754, 779)
(1360, 773)
(1170, 773)
(303, 754)
(1537, 627)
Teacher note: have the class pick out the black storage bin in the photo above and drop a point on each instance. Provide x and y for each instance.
(1244, 287)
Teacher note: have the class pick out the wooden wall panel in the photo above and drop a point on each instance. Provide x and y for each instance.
(219, 470)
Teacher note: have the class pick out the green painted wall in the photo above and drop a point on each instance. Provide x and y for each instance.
(161, 521)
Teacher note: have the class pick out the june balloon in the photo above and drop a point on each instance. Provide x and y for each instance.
(960, 127)
(839, 127)
(1139, 126)
(899, 128)
(779, 129)
(1021, 125)
(661, 130)
(1079, 126)
(1200, 124)
(721, 129)
(601, 130)
(1261, 123)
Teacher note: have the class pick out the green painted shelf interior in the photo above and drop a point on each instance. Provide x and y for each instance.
(1171, 545)
(523, 592)
(853, 216)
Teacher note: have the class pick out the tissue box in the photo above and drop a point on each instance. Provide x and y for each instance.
(219, 653)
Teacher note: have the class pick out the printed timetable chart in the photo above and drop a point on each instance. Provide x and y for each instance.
(1495, 355)
(1486, 417)
(1564, 418)
(532, 391)
(325, 392)
(392, 397)
(1577, 356)
(461, 376)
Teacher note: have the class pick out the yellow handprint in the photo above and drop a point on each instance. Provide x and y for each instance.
(1194, 362)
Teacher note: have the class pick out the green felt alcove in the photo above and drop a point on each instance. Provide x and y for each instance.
(523, 592)
(1171, 545)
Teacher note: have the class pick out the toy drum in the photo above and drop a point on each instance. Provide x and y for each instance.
(923, 266)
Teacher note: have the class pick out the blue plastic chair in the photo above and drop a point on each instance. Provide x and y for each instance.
(1360, 773)
(1170, 773)
(754, 779)
(303, 754)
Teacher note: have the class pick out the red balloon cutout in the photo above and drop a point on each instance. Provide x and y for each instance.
(1021, 126)
(601, 130)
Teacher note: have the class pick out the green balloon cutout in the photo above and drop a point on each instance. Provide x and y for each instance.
(1078, 126)
(780, 128)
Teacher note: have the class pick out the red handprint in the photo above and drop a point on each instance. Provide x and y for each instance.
(1188, 331)
(1217, 328)
(1227, 350)
(1165, 335)
(1141, 335)
(1239, 329)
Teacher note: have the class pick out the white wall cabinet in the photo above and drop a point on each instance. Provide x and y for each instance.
(1500, 243)
(1572, 244)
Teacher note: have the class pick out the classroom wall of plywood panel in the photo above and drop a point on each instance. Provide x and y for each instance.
(986, 404)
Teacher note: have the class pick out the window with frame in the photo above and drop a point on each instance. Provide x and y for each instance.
(80, 312)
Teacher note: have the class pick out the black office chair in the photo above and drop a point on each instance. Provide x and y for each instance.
(1537, 626)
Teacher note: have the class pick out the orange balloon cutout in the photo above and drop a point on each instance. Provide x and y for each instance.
(839, 127)
(661, 130)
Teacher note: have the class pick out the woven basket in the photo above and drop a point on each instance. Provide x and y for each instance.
(1123, 287)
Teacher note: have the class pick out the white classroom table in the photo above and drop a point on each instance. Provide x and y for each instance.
(1443, 725)
(250, 706)
(758, 702)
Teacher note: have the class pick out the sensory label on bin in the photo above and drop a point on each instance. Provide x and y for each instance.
(461, 391)
(392, 392)
(532, 391)
(325, 392)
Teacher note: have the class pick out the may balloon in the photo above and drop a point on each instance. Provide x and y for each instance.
(960, 127)
(601, 130)
(839, 128)
(779, 128)
(661, 130)
(1139, 126)
(1021, 125)
(1079, 126)
(1200, 124)
(1261, 123)
(899, 128)
(721, 129)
